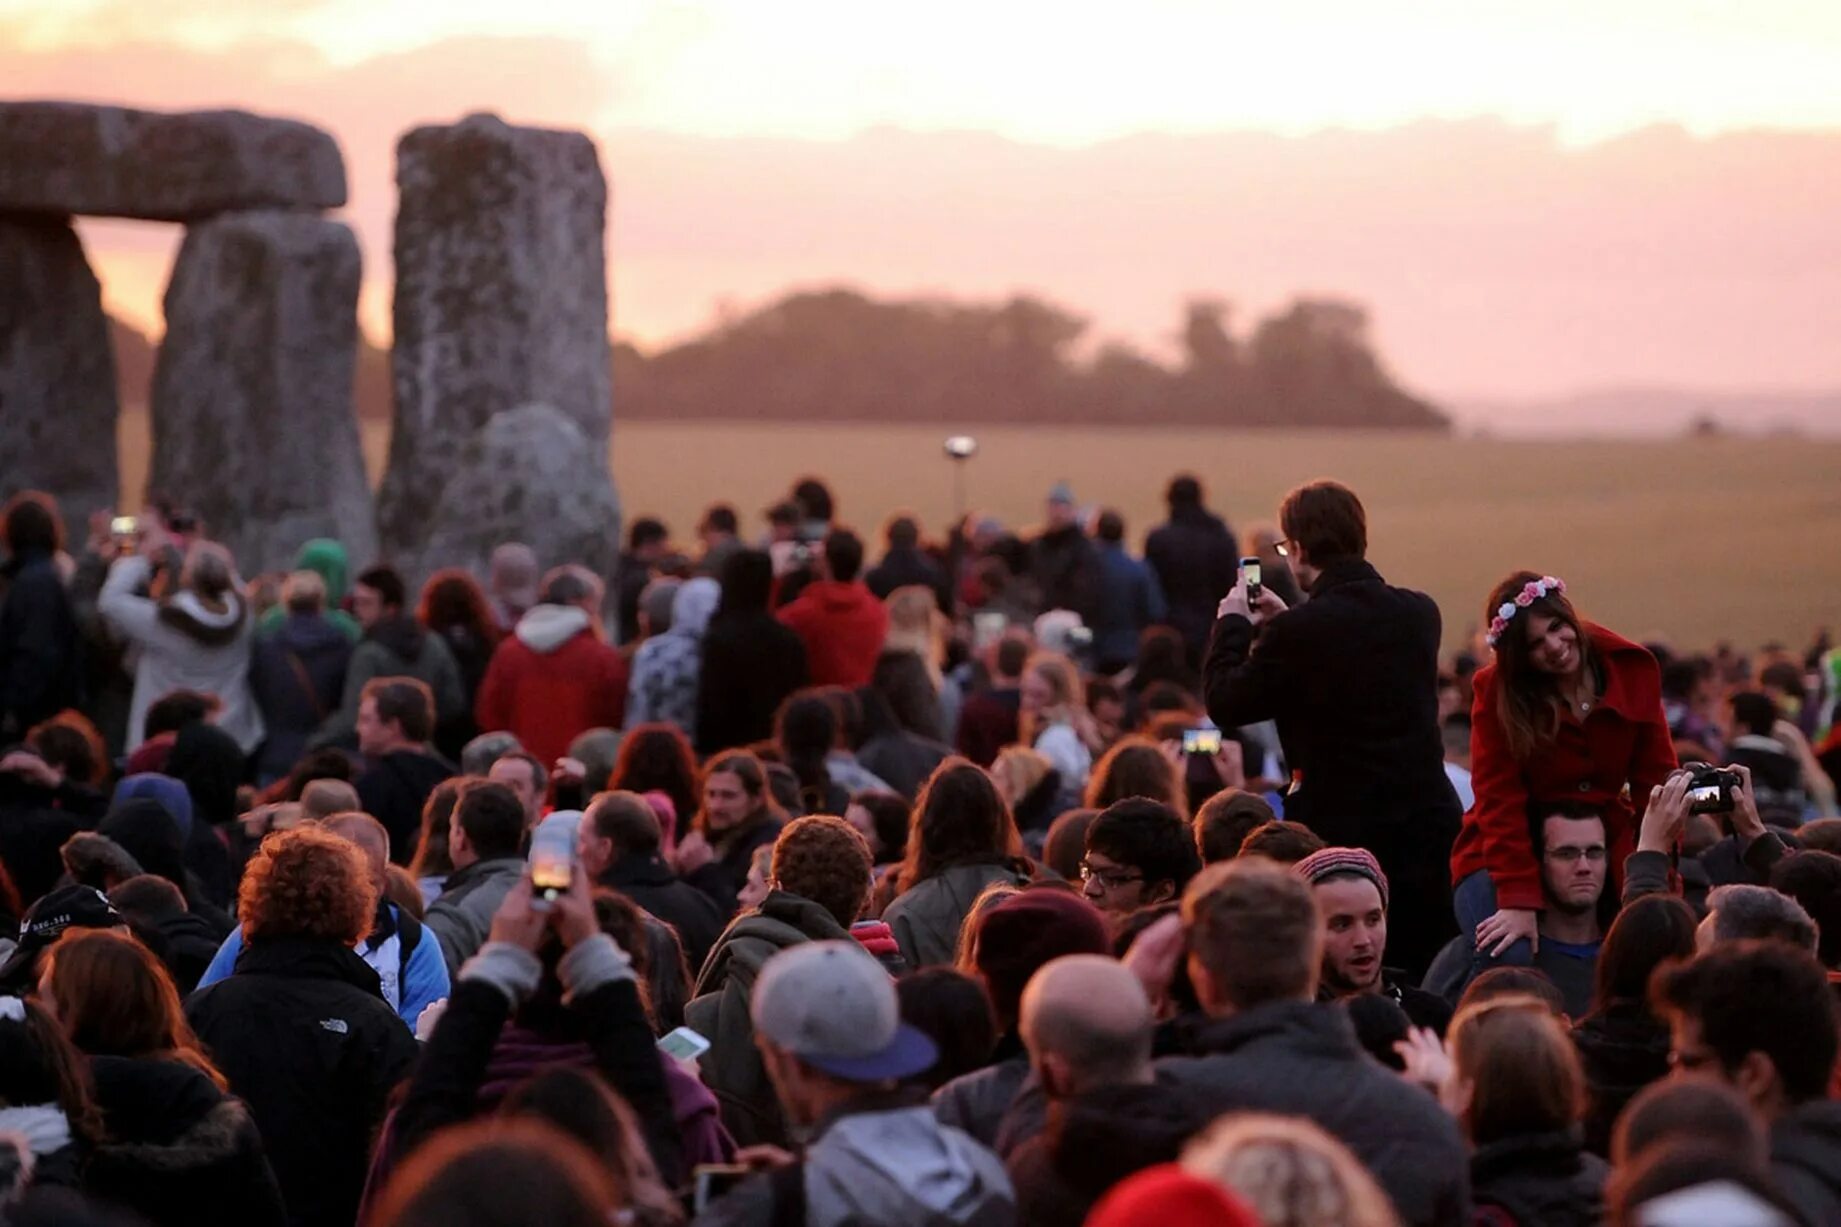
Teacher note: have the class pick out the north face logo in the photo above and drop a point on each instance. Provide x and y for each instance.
(335, 1025)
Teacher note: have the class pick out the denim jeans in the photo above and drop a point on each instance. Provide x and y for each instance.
(1474, 900)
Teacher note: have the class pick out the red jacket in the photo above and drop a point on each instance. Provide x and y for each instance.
(842, 627)
(1623, 744)
(550, 680)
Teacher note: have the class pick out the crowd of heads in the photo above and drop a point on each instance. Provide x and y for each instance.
(946, 834)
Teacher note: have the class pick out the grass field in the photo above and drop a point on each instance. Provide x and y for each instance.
(1688, 540)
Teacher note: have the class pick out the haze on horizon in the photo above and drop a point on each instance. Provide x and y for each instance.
(1530, 198)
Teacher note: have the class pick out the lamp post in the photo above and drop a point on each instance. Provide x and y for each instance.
(959, 449)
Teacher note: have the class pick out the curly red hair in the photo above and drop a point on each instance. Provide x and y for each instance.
(307, 882)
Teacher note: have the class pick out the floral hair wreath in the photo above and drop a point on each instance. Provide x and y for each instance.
(1531, 592)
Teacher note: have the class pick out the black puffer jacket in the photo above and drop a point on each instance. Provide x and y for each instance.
(1623, 1048)
(180, 1152)
(40, 669)
(303, 1033)
(1540, 1180)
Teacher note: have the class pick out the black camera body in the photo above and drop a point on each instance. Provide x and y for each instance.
(1712, 790)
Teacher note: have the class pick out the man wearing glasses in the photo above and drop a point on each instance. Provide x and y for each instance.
(1351, 680)
(1572, 844)
(1139, 853)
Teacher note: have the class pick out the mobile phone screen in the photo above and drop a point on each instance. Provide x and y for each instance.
(552, 862)
(1201, 741)
(683, 1044)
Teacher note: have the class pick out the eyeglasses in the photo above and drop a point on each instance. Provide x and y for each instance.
(1567, 856)
(1109, 878)
(1690, 1059)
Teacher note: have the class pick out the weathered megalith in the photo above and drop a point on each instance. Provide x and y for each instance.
(252, 393)
(57, 372)
(501, 301)
(529, 474)
(72, 157)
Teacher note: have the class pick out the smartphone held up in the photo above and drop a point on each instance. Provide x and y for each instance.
(1249, 571)
(552, 863)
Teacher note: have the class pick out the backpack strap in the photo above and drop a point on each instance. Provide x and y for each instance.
(788, 1184)
(408, 937)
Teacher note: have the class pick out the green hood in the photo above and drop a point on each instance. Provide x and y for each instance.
(326, 558)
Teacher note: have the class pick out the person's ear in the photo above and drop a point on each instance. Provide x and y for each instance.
(1457, 1095)
(1163, 892)
(1204, 985)
(1756, 1077)
(1055, 1076)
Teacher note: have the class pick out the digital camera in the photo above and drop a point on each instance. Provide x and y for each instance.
(1712, 790)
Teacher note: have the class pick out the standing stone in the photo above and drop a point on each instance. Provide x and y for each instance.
(57, 373)
(501, 301)
(529, 474)
(72, 157)
(253, 426)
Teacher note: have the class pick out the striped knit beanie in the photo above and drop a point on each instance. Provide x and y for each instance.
(1327, 861)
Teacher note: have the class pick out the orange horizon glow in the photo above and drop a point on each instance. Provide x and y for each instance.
(1491, 180)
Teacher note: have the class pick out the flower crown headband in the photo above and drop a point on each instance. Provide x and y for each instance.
(1531, 592)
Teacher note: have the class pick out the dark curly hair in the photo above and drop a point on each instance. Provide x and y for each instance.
(451, 598)
(826, 860)
(657, 758)
(307, 882)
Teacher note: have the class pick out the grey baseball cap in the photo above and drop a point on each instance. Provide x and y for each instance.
(833, 1006)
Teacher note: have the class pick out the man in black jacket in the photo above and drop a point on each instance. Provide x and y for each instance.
(1063, 560)
(396, 717)
(300, 1029)
(618, 844)
(1351, 678)
(1255, 942)
(905, 565)
(1760, 1017)
(1196, 558)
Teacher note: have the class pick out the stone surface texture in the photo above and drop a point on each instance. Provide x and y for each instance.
(57, 372)
(501, 302)
(68, 157)
(252, 400)
(531, 475)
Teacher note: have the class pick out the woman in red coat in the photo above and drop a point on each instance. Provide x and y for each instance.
(1568, 712)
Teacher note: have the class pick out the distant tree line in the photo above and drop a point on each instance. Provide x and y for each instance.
(839, 355)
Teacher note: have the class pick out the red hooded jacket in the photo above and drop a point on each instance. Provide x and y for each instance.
(842, 627)
(550, 680)
(1610, 760)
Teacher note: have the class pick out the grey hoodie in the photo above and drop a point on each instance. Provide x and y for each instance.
(898, 1168)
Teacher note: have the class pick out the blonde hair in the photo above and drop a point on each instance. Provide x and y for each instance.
(1064, 679)
(916, 625)
(303, 592)
(1290, 1172)
(1018, 769)
(1521, 1065)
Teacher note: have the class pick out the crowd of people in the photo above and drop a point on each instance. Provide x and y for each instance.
(1011, 879)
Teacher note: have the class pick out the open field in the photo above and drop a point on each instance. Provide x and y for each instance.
(1689, 540)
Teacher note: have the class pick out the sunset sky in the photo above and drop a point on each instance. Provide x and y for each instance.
(1115, 157)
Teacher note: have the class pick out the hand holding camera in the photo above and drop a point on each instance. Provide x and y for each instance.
(1666, 815)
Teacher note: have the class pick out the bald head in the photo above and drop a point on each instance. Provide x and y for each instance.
(1087, 1023)
(369, 834)
(321, 798)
